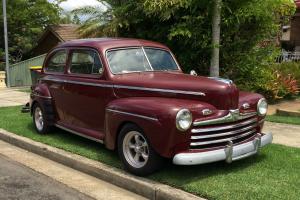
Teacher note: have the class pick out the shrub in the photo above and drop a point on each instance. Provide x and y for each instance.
(288, 68)
(274, 81)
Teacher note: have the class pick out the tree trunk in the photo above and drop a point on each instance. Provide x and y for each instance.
(216, 29)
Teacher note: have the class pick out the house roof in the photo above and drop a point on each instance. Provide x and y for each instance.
(64, 32)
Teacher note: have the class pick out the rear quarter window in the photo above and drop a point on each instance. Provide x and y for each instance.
(85, 62)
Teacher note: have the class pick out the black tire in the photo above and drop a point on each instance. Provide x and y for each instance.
(153, 162)
(45, 127)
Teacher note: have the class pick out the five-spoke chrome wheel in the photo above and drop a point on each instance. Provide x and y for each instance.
(135, 148)
(38, 119)
(136, 152)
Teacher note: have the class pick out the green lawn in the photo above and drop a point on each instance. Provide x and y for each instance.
(273, 174)
(283, 119)
(27, 90)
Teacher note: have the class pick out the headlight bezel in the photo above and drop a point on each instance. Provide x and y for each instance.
(259, 104)
(179, 114)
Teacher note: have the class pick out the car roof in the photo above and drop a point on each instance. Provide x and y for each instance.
(110, 43)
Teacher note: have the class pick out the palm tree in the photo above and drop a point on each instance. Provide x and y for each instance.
(101, 20)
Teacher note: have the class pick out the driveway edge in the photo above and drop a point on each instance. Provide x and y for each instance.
(142, 186)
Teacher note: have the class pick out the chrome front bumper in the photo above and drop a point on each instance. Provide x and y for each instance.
(230, 153)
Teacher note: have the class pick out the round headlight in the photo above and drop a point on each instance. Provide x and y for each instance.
(183, 119)
(262, 107)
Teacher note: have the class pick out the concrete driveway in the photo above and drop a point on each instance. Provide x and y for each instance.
(12, 97)
(285, 134)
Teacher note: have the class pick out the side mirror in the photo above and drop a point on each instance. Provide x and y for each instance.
(193, 73)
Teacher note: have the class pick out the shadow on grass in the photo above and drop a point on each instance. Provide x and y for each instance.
(187, 174)
(76, 144)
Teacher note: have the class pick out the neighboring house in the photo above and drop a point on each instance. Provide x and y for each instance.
(291, 33)
(54, 35)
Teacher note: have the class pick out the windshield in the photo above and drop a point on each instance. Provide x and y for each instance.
(140, 60)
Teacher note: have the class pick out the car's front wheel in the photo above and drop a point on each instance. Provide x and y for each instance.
(39, 119)
(136, 152)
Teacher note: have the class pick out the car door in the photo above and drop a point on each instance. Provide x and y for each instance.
(86, 93)
(54, 70)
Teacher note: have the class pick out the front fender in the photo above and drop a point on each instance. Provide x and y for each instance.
(156, 116)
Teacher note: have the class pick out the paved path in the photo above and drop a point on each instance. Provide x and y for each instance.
(46, 178)
(12, 97)
(293, 105)
(285, 134)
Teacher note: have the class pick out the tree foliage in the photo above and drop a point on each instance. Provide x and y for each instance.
(26, 20)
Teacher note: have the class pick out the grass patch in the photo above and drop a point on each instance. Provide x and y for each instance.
(273, 174)
(27, 90)
(283, 119)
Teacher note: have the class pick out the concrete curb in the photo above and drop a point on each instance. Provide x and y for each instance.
(290, 113)
(142, 186)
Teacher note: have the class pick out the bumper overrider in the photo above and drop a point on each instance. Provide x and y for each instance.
(229, 153)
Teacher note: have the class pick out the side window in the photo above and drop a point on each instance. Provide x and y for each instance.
(57, 62)
(85, 62)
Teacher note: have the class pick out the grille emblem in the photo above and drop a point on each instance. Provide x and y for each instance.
(246, 106)
(206, 112)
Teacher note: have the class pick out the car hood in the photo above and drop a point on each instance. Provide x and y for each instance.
(219, 93)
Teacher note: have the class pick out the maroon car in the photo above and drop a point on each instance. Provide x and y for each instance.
(131, 95)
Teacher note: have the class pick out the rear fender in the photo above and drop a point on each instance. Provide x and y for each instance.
(40, 95)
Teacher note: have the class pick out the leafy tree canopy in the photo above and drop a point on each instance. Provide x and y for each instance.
(185, 26)
(26, 20)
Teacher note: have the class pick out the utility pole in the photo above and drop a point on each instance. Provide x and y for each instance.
(6, 44)
(216, 29)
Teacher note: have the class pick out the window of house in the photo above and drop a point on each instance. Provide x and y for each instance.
(57, 62)
(85, 62)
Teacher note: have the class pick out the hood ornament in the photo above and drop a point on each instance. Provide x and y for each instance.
(223, 80)
(193, 73)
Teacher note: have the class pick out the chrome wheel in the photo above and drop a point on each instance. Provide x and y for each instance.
(135, 149)
(38, 118)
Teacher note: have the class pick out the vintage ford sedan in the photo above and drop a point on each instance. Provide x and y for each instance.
(131, 95)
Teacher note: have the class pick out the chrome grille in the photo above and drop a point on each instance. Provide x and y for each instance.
(217, 135)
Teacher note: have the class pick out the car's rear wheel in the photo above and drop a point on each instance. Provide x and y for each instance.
(136, 152)
(39, 119)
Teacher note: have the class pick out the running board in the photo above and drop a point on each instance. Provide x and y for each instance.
(79, 134)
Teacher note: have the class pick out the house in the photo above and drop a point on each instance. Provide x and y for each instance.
(291, 33)
(54, 35)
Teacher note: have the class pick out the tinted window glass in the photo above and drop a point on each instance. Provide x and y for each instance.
(128, 60)
(57, 62)
(160, 59)
(85, 62)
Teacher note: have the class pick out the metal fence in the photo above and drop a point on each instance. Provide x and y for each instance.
(289, 57)
(20, 72)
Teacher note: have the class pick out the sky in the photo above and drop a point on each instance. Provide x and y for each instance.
(72, 4)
